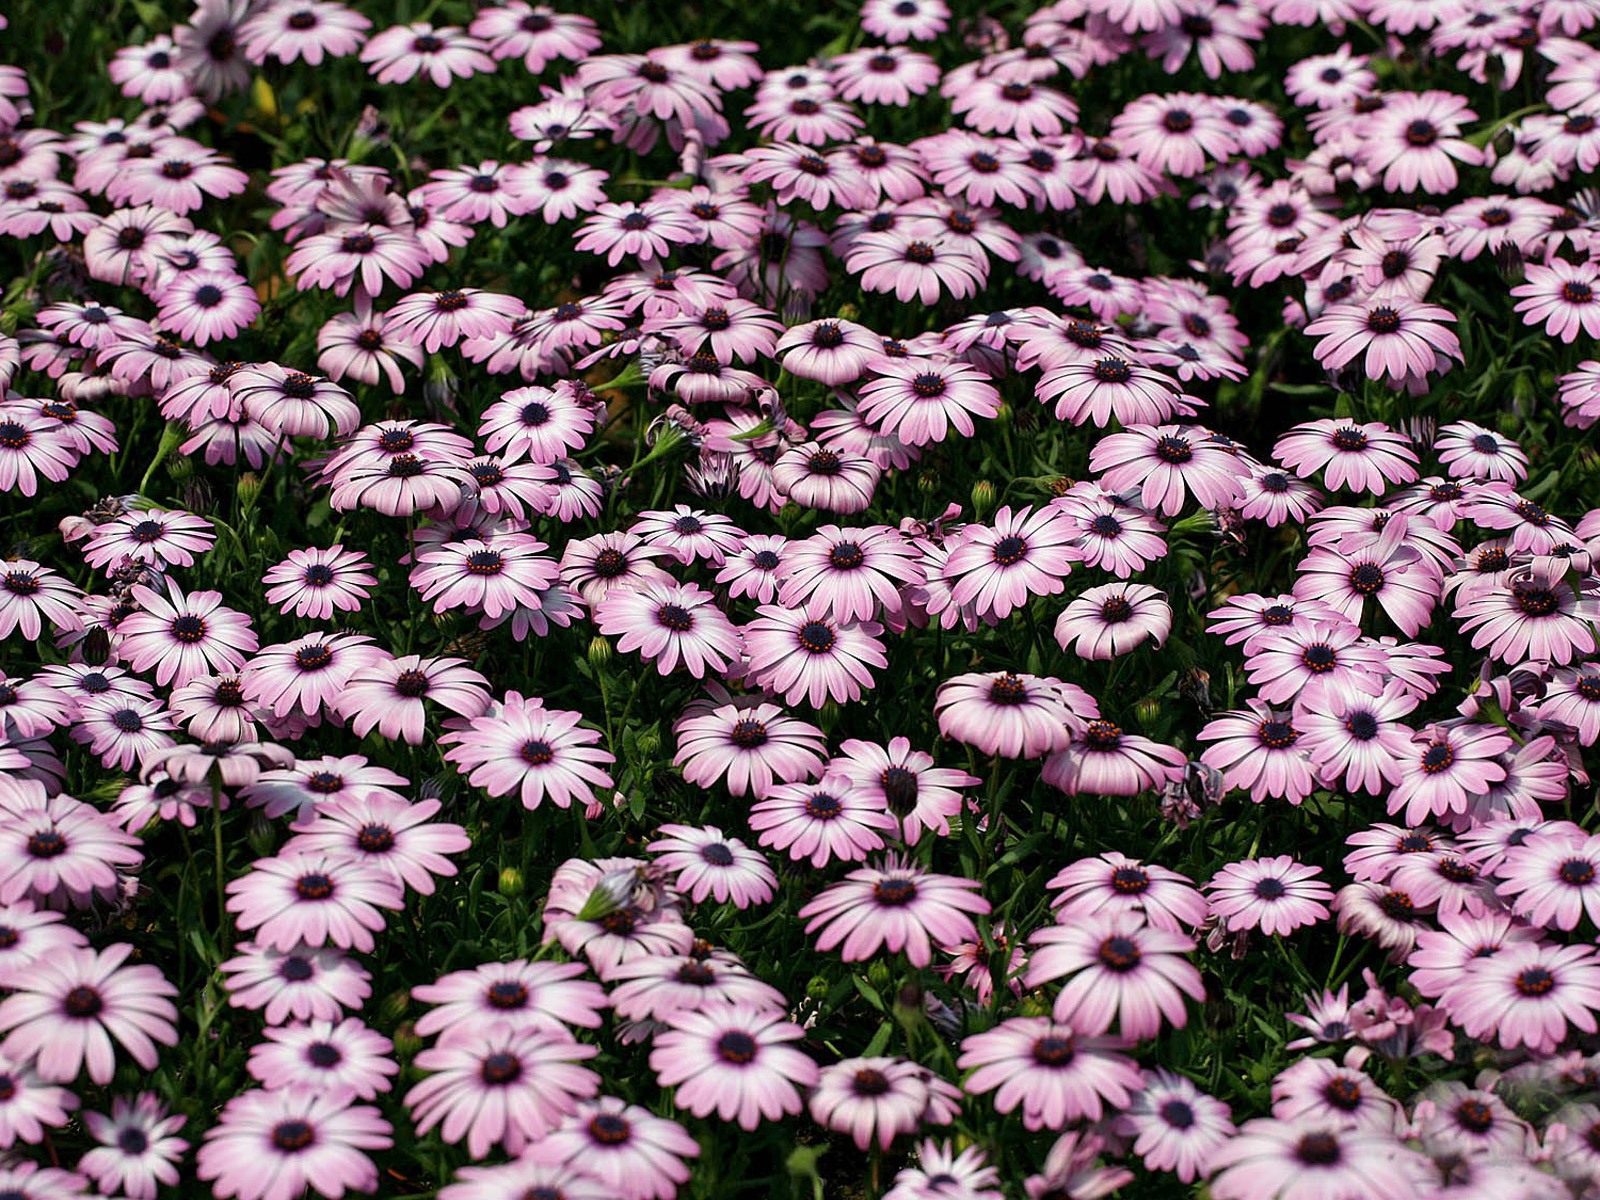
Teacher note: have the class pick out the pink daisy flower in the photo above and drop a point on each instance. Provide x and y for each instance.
(1101, 759)
(1275, 895)
(502, 1086)
(1366, 458)
(539, 753)
(1167, 463)
(804, 654)
(137, 1148)
(828, 820)
(1118, 971)
(1538, 616)
(1175, 1126)
(342, 1059)
(524, 995)
(184, 637)
(274, 1145)
(442, 54)
(388, 693)
(1054, 1073)
(1449, 763)
(431, 320)
(921, 796)
(397, 837)
(316, 583)
(1256, 749)
(732, 1059)
(1303, 1160)
(898, 906)
(707, 863)
(851, 574)
(1112, 619)
(1014, 716)
(633, 1153)
(996, 568)
(305, 983)
(69, 1012)
(669, 623)
(1525, 995)
(306, 675)
(747, 747)
(31, 594)
(308, 30)
(313, 899)
(1399, 340)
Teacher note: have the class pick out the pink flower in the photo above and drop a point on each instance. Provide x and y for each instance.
(748, 747)
(71, 1010)
(1367, 457)
(732, 1059)
(313, 899)
(669, 623)
(1275, 895)
(635, 1154)
(1054, 1073)
(184, 637)
(1166, 463)
(1401, 340)
(1112, 619)
(1527, 994)
(273, 1145)
(898, 906)
(1015, 716)
(1118, 971)
(707, 863)
(539, 753)
(828, 820)
(502, 1086)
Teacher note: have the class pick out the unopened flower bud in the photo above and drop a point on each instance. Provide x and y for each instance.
(394, 1006)
(983, 498)
(599, 652)
(1147, 713)
(818, 987)
(262, 834)
(511, 882)
(248, 487)
(406, 1041)
(878, 976)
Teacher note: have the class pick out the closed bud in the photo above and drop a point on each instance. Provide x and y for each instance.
(179, 468)
(828, 715)
(511, 882)
(406, 1041)
(248, 488)
(818, 987)
(878, 976)
(1034, 1005)
(648, 741)
(1005, 417)
(928, 482)
(599, 653)
(394, 1006)
(1147, 713)
(848, 312)
(983, 498)
(262, 834)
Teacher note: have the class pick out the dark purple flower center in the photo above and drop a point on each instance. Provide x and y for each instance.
(675, 617)
(1366, 579)
(19, 583)
(500, 1069)
(869, 1081)
(1173, 450)
(1103, 736)
(817, 637)
(748, 733)
(1119, 954)
(825, 463)
(1535, 981)
(1343, 1093)
(736, 1047)
(507, 994)
(188, 629)
(1537, 601)
(1277, 735)
(1009, 550)
(1575, 291)
(894, 892)
(900, 787)
(296, 969)
(314, 886)
(927, 385)
(1269, 888)
(1382, 319)
(1054, 1051)
(292, 1136)
(1576, 872)
(846, 556)
(1179, 1114)
(1361, 725)
(1474, 1116)
(47, 843)
(920, 253)
(485, 562)
(132, 1141)
(821, 806)
(1397, 906)
(449, 301)
(1588, 686)
(1349, 439)
(315, 657)
(1115, 609)
(1457, 871)
(375, 839)
(324, 1055)
(127, 720)
(1318, 1150)
(537, 753)
(1130, 881)
(1008, 690)
(1319, 658)
(609, 1129)
(1437, 757)
(82, 1003)
(1422, 133)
